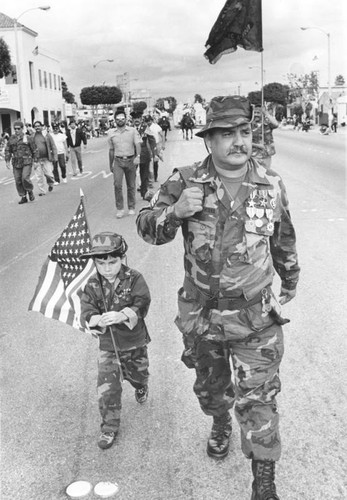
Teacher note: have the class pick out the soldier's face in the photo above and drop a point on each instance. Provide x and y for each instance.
(17, 130)
(231, 148)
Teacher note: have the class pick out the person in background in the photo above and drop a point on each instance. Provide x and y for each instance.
(22, 151)
(75, 139)
(263, 146)
(237, 233)
(164, 123)
(60, 142)
(333, 125)
(47, 155)
(124, 156)
(157, 132)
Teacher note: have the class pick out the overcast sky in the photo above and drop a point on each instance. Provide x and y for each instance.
(161, 43)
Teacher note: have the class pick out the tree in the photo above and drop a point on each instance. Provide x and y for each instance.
(139, 107)
(276, 93)
(5, 59)
(339, 81)
(255, 97)
(103, 94)
(305, 86)
(67, 96)
(168, 104)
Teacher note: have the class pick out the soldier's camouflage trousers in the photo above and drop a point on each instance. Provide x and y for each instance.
(254, 343)
(135, 370)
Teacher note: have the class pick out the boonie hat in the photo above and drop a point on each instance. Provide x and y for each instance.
(106, 243)
(18, 123)
(227, 112)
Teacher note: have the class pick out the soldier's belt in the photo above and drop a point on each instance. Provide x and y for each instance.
(222, 304)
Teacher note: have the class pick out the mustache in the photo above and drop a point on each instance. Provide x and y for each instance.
(235, 149)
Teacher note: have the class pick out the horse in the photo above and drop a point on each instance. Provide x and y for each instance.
(187, 123)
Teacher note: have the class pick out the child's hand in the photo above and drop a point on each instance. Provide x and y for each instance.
(111, 318)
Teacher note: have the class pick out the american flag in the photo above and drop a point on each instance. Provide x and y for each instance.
(64, 274)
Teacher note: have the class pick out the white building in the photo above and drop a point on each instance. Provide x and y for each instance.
(39, 93)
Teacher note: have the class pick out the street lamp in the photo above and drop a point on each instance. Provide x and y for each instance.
(304, 28)
(19, 81)
(102, 60)
(95, 118)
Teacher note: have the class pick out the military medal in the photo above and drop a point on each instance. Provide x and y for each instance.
(250, 225)
(269, 215)
(273, 203)
(258, 223)
(250, 212)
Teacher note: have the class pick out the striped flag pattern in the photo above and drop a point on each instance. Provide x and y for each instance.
(64, 274)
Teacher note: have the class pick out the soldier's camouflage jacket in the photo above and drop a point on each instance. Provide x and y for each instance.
(22, 150)
(233, 246)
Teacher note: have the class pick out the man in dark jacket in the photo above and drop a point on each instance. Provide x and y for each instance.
(75, 138)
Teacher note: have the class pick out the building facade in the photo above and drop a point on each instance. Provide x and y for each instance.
(33, 90)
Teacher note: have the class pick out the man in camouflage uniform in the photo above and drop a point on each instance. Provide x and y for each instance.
(237, 232)
(23, 152)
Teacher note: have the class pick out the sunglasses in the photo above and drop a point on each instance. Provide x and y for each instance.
(17, 128)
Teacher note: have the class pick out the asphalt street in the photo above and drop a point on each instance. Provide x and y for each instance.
(50, 420)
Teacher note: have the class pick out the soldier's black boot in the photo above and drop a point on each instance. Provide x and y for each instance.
(218, 442)
(263, 486)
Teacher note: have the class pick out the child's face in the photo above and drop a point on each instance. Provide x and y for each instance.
(109, 268)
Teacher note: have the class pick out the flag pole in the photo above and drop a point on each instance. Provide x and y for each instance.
(262, 96)
(104, 299)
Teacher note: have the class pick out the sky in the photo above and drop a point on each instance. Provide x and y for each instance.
(160, 44)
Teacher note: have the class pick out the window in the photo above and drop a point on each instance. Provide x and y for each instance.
(31, 74)
(45, 79)
(59, 83)
(12, 77)
(40, 78)
(55, 81)
(50, 80)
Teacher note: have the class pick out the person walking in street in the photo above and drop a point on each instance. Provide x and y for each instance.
(22, 151)
(263, 144)
(75, 138)
(114, 304)
(165, 125)
(157, 132)
(60, 143)
(124, 157)
(47, 155)
(333, 125)
(147, 157)
(237, 232)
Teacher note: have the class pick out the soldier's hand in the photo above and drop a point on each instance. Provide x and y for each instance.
(286, 295)
(189, 203)
(8, 165)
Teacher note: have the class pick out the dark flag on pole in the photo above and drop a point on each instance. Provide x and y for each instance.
(64, 274)
(239, 24)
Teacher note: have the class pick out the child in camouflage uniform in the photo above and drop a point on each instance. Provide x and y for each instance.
(114, 302)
